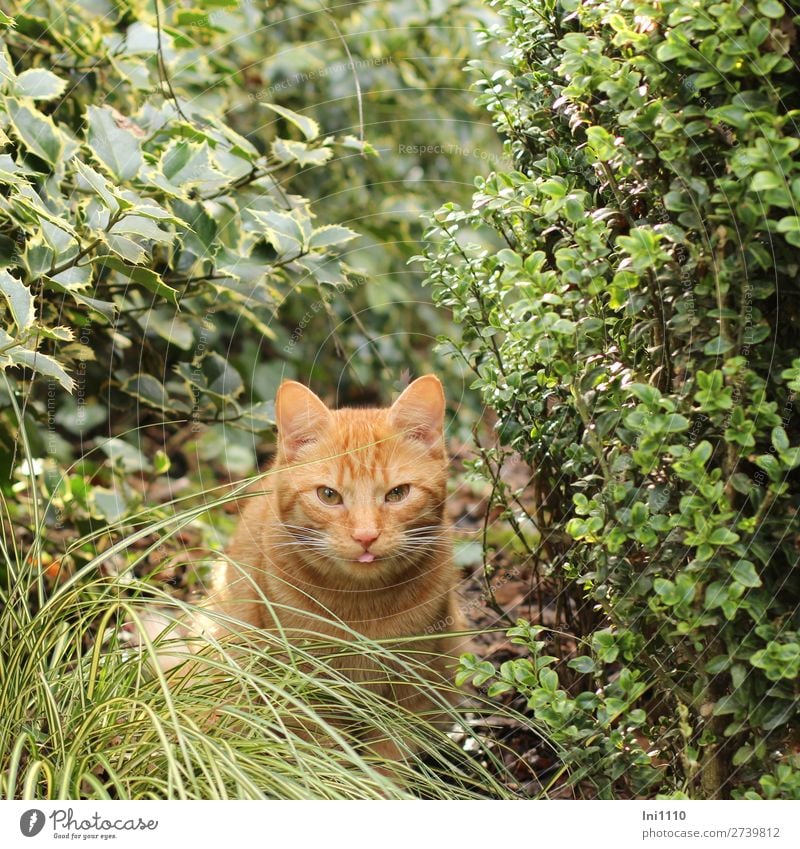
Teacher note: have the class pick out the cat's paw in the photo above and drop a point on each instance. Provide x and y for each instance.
(156, 629)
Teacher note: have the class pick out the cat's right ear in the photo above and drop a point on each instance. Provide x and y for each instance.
(419, 411)
(301, 417)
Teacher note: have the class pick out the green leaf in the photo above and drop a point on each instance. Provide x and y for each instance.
(123, 455)
(333, 234)
(791, 457)
(675, 423)
(109, 503)
(39, 84)
(308, 126)
(100, 185)
(722, 536)
(117, 148)
(563, 325)
(20, 300)
(105, 308)
(789, 224)
(509, 258)
(470, 668)
(9, 171)
(37, 132)
(143, 276)
(554, 188)
(772, 8)
(223, 379)
(664, 587)
(60, 333)
(669, 49)
(778, 714)
(283, 232)
(43, 364)
(717, 346)
(765, 180)
(73, 278)
(129, 250)
(148, 389)
(584, 664)
(745, 573)
(601, 142)
(169, 326)
(718, 663)
(188, 164)
(645, 393)
(549, 679)
(26, 198)
(295, 151)
(161, 462)
(701, 453)
(7, 74)
(779, 439)
(140, 225)
(770, 465)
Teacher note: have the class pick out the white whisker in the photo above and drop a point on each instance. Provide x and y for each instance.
(306, 530)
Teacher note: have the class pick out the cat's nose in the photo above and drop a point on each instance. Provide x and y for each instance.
(366, 536)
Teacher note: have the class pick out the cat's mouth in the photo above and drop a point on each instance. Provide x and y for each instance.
(366, 557)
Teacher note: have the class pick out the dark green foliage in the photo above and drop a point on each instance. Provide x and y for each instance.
(636, 335)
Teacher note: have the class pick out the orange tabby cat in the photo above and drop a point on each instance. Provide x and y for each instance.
(351, 527)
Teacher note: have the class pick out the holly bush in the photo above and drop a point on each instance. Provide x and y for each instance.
(133, 212)
(635, 332)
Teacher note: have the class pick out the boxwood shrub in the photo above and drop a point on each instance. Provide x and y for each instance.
(636, 335)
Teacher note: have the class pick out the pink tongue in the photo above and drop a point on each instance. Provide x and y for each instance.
(366, 557)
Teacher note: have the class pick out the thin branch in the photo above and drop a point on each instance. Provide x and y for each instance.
(359, 97)
(661, 331)
(162, 65)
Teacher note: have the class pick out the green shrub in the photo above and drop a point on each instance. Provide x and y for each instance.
(160, 269)
(636, 335)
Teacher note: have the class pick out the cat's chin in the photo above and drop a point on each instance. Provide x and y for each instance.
(374, 569)
(358, 564)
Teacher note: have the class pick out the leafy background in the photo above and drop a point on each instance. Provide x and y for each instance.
(173, 249)
(199, 200)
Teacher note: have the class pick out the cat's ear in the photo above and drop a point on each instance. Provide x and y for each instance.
(301, 417)
(419, 411)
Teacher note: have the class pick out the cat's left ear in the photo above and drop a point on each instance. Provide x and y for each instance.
(419, 411)
(301, 417)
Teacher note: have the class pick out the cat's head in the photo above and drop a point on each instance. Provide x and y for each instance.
(362, 491)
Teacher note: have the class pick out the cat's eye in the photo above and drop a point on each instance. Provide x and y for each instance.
(329, 496)
(398, 493)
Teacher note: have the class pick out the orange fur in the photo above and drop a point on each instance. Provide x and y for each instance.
(299, 552)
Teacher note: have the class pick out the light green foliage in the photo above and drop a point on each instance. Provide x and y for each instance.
(83, 716)
(637, 338)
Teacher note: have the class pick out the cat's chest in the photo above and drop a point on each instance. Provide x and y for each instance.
(376, 615)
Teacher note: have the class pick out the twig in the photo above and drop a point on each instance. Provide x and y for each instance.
(162, 65)
(355, 78)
